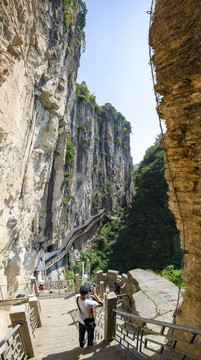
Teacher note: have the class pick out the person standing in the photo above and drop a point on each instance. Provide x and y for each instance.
(118, 287)
(85, 314)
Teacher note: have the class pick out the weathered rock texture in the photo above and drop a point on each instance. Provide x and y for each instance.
(41, 196)
(175, 38)
(39, 58)
(101, 170)
(150, 296)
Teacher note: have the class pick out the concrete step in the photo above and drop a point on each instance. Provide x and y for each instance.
(98, 352)
(58, 338)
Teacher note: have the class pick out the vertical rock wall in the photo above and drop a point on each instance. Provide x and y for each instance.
(176, 39)
(39, 57)
(58, 164)
(102, 168)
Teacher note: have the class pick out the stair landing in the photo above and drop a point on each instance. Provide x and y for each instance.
(57, 339)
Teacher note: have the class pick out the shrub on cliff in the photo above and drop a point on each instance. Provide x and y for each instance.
(142, 236)
(146, 239)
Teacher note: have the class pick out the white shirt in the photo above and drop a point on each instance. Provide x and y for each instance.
(86, 307)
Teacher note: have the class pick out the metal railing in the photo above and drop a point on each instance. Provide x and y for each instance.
(72, 236)
(16, 291)
(146, 338)
(32, 320)
(12, 346)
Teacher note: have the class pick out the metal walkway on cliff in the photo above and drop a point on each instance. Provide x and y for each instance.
(50, 258)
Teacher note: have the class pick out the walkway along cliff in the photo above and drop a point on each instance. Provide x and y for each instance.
(175, 38)
(58, 162)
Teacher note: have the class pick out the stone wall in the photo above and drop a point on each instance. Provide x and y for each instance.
(175, 38)
(110, 277)
(147, 295)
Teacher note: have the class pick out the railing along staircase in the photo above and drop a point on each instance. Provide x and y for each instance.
(53, 257)
(143, 338)
(146, 338)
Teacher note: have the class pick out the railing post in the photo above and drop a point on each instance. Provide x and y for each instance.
(2, 293)
(110, 301)
(33, 302)
(33, 283)
(18, 315)
(101, 289)
(77, 284)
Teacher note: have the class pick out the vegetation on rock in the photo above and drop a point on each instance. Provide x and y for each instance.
(105, 113)
(145, 239)
(173, 275)
(141, 237)
(83, 93)
(70, 151)
(69, 10)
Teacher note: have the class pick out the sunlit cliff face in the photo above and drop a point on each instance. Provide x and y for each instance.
(42, 196)
(175, 38)
(38, 66)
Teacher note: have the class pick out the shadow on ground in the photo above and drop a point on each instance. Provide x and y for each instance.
(97, 352)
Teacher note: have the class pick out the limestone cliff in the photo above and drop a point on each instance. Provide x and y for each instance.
(100, 175)
(39, 57)
(54, 175)
(175, 38)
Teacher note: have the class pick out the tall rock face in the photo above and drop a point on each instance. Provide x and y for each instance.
(101, 172)
(60, 161)
(175, 38)
(39, 57)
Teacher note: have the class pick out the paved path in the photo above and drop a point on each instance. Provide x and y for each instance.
(57, 339)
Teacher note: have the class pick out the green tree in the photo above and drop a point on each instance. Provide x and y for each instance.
(145, 240)
(141, 236)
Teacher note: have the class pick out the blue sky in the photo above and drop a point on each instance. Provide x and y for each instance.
(116, 66)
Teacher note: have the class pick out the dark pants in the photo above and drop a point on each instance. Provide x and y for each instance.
(90, 333)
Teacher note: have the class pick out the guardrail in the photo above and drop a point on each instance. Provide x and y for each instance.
(73, 235)
(100, 323)
(32, 320)
(15, 291)
(120, 298)
(145, 338)
(57, 286)
(12, 346)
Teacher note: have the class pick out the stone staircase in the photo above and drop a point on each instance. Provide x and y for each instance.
(57, 339)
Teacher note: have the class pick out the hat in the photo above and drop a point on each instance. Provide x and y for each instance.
(84, 290)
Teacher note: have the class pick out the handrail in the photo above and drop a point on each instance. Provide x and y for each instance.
(31, 311)
(144, 337)
(12, 291)
(18, 284)
(2, 342)
(12, 346)
(32, 319)
(54, 285)
(157, 322)
(82, 229)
